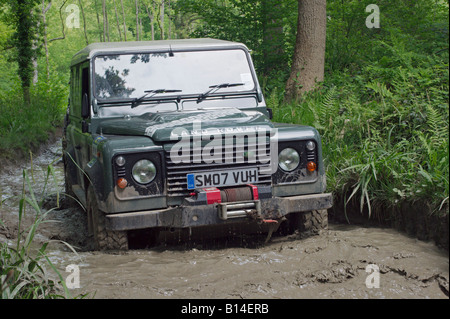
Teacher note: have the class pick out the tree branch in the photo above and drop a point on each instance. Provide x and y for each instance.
(62, 24)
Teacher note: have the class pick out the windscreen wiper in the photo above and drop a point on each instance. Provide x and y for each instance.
(215, 88)
(139, 100)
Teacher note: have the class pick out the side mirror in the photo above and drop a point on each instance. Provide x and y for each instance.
(85, 107)
(259, 96)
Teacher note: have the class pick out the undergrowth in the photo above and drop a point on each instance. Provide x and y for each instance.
(23, 128)
(26, 271)
(384, 127)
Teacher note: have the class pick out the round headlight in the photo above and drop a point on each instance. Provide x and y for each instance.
(144, 171)
(288, 159)
(310, 146)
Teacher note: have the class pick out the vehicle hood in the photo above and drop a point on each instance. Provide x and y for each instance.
(171, 126)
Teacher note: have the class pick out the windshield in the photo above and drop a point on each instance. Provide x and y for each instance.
(128, 76)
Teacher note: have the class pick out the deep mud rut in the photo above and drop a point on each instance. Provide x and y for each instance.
(236, 266)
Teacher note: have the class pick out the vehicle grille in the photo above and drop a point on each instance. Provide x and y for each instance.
(176, 172)
(311, 155)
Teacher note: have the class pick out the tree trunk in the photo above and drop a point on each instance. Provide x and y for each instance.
(24, 36)
(44, 22)
(84, 22)
(117, 21)
(34, 47)
(124, 23)
(308, 62)
(151, 17)
(162, 20)
(137, 19)
(98, 21)
(170, 19)
(105, 22)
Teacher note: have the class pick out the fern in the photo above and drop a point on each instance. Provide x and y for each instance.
(437, 126)
(327, 108)
(426, 143)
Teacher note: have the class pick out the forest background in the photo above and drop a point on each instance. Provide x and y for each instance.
(382, 107)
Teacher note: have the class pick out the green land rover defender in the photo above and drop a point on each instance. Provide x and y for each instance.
(176, 134)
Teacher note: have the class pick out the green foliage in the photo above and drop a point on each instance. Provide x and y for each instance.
(267, 27)
(383, 114)
(22, 18)
(23, 128)
(8, 71)
(24, 272)
(421, 25)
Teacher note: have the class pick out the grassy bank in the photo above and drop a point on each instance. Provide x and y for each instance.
(23, 128)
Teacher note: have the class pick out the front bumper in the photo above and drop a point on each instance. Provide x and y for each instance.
(218, 213)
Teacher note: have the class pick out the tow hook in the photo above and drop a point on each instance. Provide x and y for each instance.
(273, 226)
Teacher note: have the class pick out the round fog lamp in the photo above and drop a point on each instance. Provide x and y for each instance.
(288, 159)
(144, 171)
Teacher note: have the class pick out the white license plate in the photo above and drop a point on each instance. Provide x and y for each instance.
(222, 178)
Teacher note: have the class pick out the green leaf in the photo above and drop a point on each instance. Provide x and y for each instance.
(426, 175)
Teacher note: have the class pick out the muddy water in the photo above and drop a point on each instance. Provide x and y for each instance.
(185, 265)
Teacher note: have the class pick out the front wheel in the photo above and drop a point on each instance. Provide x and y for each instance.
(104, 239)
(70, 195)
(313, 223)
(306, 224)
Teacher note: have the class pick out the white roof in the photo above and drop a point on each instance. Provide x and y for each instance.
(151, 46)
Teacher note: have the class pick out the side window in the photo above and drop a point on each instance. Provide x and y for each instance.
(75, 100)
(85, 87)
(85, 83)
(72, 77)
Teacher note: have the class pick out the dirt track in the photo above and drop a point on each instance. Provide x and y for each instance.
(237, 266)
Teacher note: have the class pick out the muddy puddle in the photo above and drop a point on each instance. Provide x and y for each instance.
(345, 262)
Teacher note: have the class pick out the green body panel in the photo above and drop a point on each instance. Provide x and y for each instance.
(160, 126)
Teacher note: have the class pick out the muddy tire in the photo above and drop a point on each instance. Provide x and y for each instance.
(70, 195)
(305, 224)
(312, 223)
(104, 239)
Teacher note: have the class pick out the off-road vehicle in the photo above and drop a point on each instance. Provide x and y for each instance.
(175, 135)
